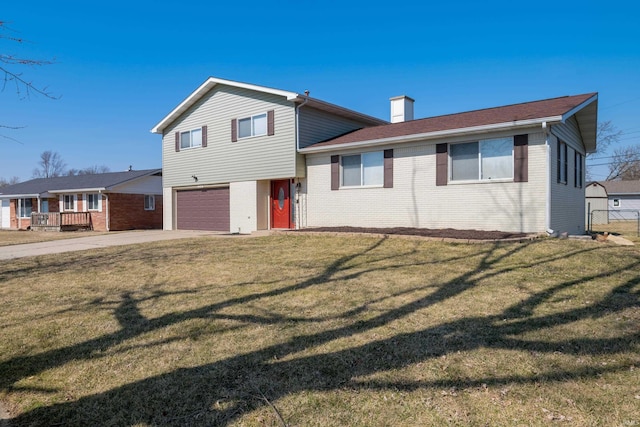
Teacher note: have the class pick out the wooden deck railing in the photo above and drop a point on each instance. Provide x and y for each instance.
(60, 221)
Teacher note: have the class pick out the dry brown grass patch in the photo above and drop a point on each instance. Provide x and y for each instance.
(327, 330)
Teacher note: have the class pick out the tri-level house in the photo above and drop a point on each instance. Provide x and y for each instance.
(239, 157)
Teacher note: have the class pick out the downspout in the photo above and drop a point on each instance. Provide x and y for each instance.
(107, 219)
(545, 132)
(298, 208)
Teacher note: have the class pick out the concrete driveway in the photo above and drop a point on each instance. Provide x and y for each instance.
(103, 241)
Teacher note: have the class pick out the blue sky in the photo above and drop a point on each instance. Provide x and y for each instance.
(120, 67)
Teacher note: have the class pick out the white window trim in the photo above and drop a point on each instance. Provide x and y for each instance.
(349, 187)
(20, 215)
(191, 144)
(480, 180)
(85, 198)
(252, 117)
(153, 198)
(75, 203)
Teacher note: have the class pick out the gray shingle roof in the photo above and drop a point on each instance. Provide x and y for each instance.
(77, 182)
(621, 187)
(488, 116)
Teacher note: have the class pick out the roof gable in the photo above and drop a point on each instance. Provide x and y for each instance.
(509, 116)
(294, 97)
(61, 184)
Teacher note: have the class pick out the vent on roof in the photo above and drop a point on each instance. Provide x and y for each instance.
(401, 109)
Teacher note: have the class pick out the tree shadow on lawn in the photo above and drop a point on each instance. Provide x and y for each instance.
(220, 392)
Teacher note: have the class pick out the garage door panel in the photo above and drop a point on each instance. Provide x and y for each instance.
(206, 209)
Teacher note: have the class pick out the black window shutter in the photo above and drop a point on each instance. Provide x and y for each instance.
(270, 122)
(177, 141)
(521, 158)
(204, 136)
(442, 164)
(335, 172)
(388, 168)
(234, 130)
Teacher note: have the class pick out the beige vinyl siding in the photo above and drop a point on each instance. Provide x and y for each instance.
(223, 161)
(567, 201)
(316, 126)
(415, 200)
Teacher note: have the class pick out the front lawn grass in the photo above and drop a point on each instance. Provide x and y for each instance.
(323, 331)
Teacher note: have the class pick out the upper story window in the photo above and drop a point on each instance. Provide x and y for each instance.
(24, 208)
(366, 169)
(483, 160)
(562, 162)
(191, 138)
(252, 126)
(93, 202)
(149, 202)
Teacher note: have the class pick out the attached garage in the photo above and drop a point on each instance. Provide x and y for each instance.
(203, 209)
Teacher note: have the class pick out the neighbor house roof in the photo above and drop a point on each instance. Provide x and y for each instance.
(547, 111)
(616, 188)
(63, 184)
(294, 97)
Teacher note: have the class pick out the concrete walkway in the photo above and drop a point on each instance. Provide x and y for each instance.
(105, 240)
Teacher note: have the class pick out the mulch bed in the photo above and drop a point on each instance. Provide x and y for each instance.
(444, 233)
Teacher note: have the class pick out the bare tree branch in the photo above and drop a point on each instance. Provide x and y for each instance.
(625, 164)
(11, 77)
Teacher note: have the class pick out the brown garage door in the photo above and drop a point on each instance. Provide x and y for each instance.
(206, 209)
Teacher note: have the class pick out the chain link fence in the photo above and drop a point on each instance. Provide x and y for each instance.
(620, 221)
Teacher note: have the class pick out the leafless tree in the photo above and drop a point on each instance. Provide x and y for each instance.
(91, 170)
(625, 164)
(50, 165)
(11, 66)
(10, 181)
(606, 135)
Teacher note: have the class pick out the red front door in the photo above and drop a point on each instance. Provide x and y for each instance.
(280, 204)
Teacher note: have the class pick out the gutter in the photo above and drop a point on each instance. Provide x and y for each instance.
(434, 135)
(107, 219)
(297, 186)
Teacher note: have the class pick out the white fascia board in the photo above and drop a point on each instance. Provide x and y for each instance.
(78, 190)
(434, 135)
(624, 194)
(205, 87)
(21, 196)
(577, 108)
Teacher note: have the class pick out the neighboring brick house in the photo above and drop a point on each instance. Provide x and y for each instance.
(106, 202)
